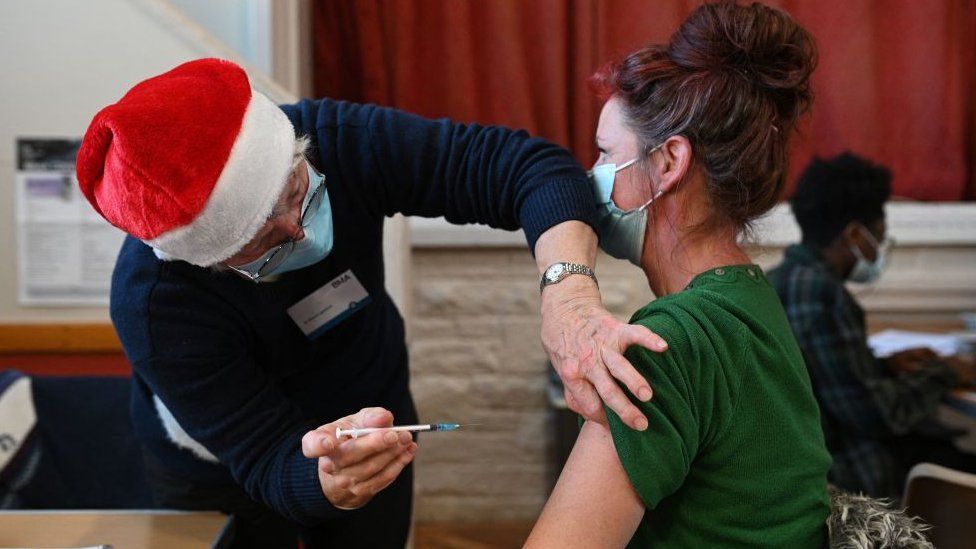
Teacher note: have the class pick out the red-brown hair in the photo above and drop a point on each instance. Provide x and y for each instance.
(734, 80)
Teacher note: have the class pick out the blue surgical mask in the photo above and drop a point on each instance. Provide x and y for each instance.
(865, 271)
(316, 223)
(621, 233)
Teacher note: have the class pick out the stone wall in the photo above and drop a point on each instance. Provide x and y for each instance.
(476, 357)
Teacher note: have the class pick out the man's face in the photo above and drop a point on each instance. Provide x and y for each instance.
(283, 225)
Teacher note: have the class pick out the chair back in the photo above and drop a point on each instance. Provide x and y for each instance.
(946, 499)
(82, 452)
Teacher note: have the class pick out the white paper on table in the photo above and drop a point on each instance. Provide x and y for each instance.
(65, 250)
(889, 342)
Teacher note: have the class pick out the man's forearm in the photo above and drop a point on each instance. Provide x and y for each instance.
(572, 241)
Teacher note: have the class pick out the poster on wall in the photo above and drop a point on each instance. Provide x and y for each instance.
(65, 250)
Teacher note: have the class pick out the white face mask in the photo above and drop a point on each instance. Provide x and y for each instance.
(621, 233)
(865, 271)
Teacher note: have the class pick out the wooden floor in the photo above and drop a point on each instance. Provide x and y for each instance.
(496, 535)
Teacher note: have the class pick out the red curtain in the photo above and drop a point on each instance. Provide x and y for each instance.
(896, 80)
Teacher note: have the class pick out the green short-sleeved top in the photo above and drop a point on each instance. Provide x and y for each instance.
(734, 455)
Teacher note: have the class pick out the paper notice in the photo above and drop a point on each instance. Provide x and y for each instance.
(65, 250)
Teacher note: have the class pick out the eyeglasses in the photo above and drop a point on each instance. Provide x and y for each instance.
(277, 255)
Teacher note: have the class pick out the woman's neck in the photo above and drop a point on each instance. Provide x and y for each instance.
(676, 259)
(685, 238)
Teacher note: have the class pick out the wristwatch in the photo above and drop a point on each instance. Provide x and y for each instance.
(557, 271)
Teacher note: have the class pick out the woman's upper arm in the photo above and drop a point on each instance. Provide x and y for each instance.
(593, 503)
(615, 473)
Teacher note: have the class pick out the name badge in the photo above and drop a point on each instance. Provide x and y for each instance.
(329, 305)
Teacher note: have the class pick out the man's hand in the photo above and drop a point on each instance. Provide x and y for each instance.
(352, 471)
(965, 367)
(910, 361)
(586, 344)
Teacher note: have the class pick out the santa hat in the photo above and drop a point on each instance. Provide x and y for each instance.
(191, 161)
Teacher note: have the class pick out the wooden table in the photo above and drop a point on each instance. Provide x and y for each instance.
(119, 529)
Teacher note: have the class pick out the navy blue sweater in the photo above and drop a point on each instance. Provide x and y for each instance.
(232, 367)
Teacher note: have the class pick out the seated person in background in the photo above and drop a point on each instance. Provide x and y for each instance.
(872, 409)
(693, 143)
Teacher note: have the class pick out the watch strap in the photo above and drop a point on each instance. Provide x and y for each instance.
(565, 270)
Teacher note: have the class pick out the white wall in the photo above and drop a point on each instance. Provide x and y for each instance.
(244, 25)
(61, 61)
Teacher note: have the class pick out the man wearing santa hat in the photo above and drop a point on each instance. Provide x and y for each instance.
(250, 300)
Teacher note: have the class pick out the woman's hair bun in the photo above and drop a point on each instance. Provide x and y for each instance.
(759, 43)
(734, 80)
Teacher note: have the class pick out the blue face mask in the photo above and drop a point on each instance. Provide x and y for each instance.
(316, 223)
(621, 233)
(865, 271)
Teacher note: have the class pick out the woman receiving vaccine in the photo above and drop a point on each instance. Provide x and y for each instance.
(693, 146)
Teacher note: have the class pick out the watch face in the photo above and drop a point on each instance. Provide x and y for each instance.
(552, 273)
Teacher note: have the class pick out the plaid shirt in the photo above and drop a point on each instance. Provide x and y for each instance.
(864, 406)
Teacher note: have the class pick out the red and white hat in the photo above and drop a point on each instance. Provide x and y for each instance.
(191, 161)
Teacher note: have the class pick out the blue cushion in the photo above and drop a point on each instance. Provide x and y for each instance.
(89, 456)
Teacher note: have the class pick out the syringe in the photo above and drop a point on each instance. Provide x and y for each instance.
(356, 433)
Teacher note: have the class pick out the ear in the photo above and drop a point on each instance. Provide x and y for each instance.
(675, 163)
(852, 233)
